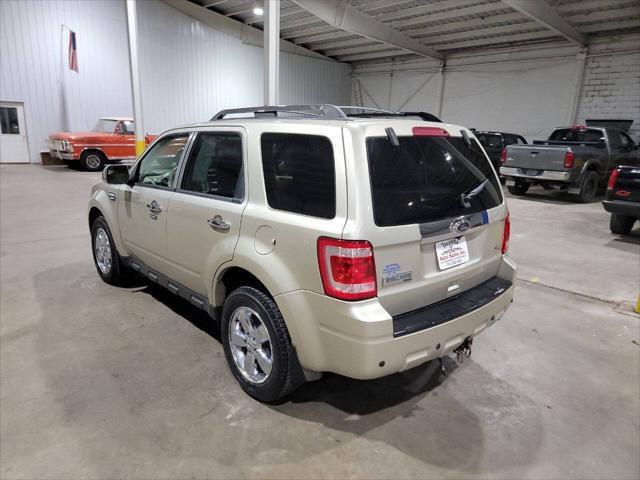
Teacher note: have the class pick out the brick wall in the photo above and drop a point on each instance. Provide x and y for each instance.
(611, 83)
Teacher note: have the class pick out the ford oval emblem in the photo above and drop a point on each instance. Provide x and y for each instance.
(460, 225)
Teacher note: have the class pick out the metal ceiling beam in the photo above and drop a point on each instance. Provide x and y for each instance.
(346, 17)
(449, 37)
(545, 14)
(213, 4)
(483, 9)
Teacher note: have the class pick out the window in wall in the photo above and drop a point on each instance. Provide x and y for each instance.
(9, 121)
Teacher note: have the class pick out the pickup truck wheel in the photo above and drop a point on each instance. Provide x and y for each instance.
(257, 345)
(520, 188)
(588, 187)
(92, 160)
(105, 255)
(621, 224)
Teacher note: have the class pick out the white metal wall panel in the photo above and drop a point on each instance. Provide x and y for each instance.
(34, 66)
(190, 71)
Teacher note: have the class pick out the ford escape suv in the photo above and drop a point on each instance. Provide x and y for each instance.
(321, 239)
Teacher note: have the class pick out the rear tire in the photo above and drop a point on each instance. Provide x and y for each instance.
(621, 224)
(105, 256)
(588, 187)
(92, 160)
(520, 188)
(257, 345)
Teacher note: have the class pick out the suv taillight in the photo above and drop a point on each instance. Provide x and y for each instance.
(503, 155)
(612, 179)
(347, 268)
(569, 159)
(506, 234)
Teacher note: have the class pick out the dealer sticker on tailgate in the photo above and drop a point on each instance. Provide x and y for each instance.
(452, 252)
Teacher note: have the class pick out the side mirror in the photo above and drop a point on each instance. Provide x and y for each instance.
(115, 174)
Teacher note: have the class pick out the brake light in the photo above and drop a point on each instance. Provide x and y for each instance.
(506, 234)
(569, 159)
(347, 268)
(623, 193)
(612, 179)
(503, 155)
(429, 132)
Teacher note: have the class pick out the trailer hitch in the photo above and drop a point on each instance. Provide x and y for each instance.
(464, 350)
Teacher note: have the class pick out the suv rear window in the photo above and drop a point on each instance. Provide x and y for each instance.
(299, 173)
(424, 178)
(488, 140)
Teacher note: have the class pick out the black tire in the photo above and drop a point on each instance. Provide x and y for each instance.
(621, 224)
(117, 274)
(588, 187)
(285, 370)
(520, 188)
(92, 160)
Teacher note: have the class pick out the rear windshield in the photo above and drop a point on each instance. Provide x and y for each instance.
(571, 135)
(424, 179)
(489, 141)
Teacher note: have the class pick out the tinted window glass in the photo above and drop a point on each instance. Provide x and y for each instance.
(626, 140)
(615, 141)
(215, 165)
(489, 141)
(9, 120)
(158, 167)
(571, 135)
(423, 180)
(522, 141)
(299, 173)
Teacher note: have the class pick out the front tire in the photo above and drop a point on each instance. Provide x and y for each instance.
(520, 188)
(105, 255)
(257, 345)
(92, 160)
(621, 224)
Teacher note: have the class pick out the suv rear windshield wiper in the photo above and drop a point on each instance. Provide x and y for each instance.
(465, 198)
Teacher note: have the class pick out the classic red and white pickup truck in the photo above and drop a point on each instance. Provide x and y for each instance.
(112, 139)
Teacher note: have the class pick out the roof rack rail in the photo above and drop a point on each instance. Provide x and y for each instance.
(329, 112)
(324, 111)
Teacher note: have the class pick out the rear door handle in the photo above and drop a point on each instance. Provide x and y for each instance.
(217, 223)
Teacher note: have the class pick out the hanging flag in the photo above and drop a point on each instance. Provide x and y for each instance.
(73, 54)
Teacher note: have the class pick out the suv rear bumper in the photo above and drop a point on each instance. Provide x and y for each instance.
(356, 339)
(551, 175)
(631, 209)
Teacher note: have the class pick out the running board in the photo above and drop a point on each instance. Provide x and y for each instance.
(176, 288)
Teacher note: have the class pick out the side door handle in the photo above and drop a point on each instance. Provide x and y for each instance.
(154, 207)
(218, 224)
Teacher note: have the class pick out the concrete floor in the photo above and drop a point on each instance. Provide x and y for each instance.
(104, 382)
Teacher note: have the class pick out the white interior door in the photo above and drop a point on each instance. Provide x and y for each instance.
(13, 134)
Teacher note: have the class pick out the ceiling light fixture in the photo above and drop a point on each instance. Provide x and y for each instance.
(258, 11)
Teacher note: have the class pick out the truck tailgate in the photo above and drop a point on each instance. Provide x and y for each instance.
(538, 157)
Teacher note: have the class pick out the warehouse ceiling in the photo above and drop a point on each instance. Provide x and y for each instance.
(370, 31)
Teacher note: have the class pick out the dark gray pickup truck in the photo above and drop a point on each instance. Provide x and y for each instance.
(578, 159)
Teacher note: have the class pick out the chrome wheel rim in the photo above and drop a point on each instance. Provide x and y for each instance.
(250, 345)
(93, 161)
(102, 249)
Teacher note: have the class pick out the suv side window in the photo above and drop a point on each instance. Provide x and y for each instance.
(299, 173)
(158, 167)
(509, 139)
(215, 166)
(615, 141)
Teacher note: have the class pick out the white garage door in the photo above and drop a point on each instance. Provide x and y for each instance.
(13, 134)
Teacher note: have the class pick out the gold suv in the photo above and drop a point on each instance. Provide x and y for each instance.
(323, 238)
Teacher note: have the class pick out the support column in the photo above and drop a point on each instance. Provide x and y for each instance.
(132, 23)
(441, 90)
(271, 52)
(581, 59)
